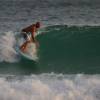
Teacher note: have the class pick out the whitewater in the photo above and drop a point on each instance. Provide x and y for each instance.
(50, 87)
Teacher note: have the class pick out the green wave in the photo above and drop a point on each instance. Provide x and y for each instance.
(63, 49)
(70, 49)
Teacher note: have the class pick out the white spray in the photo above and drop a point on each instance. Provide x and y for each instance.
(8, 44)
(7, 51)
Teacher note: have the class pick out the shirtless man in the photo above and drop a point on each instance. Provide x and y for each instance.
(29, 35)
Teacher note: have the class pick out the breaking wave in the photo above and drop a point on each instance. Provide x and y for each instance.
(50, 87)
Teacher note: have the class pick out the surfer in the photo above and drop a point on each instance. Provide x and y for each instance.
(29, 35)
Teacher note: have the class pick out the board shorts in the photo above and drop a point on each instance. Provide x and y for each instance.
(26, 35)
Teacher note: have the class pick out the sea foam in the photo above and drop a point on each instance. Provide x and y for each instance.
(50, 87)
(7, 50)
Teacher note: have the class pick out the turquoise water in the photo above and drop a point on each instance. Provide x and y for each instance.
(63, 49)
(70, 49)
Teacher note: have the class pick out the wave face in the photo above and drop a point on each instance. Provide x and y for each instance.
(62, 49)
(70, 49)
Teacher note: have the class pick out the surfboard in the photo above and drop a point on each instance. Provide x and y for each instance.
(30, 52)
(31, 55)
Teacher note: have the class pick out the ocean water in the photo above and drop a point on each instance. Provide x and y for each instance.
(68, 66)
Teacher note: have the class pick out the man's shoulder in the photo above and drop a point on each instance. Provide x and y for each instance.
(33, 25)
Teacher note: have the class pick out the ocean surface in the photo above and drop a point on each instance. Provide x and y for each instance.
(68, 66)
